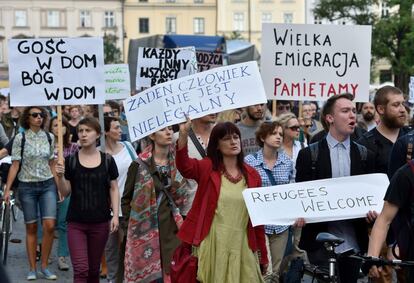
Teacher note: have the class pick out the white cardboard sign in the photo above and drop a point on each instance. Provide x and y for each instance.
(315, 62)
(117, 84)
(197, 95)
(317, 201)
(158, 65)
(56, 71)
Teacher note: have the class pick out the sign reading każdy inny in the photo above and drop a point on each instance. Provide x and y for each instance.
(158, 65)
(117, 84)
(317, 201)
(196, 95)
(56, 71)
(315, 62)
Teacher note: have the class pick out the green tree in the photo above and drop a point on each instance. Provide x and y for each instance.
(392, 34)
(111, 52)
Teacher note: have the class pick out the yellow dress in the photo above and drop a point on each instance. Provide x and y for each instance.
(224, 255)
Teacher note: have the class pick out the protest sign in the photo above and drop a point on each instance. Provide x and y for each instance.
(208, 60)
(197, 95)
(56, 71)
(411, 90)
(117, 84)
(315, 62)
(5, 91)
(158, 65)
(317, 201)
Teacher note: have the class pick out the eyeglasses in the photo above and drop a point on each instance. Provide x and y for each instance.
(109, 114)
(294, 128)
(37, 114)
(283, 107)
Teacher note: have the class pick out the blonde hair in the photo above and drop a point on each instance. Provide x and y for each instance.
(228, 116)
(285, 118)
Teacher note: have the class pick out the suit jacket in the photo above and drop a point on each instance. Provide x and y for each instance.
(209, 181)
(323, 171)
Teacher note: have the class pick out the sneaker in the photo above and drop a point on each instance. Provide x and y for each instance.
(47, 274)
(31, 275)
(62, 265)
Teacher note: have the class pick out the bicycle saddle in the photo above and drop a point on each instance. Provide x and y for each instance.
(329, 239)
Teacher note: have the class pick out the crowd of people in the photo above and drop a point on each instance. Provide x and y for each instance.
(121, 209)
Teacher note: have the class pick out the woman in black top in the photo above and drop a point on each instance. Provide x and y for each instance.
(90, 177)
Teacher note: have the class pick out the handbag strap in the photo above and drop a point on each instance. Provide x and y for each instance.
(268, 173)
(197, 143)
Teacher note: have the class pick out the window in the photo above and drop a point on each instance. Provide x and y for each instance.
(385, 10)
(238, 21)
(287, 18)
(20, 18)
(317, 21)
(199, 1)
(266, 17)
(199, 25)
(1, 51)
(109, 19)
(85, 19)
(170, 25)
(143, 0)
(53, 19)
(170, 1)
(143, 25)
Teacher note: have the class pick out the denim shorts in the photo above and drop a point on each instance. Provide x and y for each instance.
(38, 195)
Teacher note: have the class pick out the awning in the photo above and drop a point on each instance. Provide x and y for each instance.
(200, 42)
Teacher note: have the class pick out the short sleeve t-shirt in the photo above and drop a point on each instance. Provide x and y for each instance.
(90, 199)
(400, 190)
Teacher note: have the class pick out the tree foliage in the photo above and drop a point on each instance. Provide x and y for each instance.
(392, 34)
(112, 54)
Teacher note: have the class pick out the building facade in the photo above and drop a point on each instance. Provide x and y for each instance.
(63, 18)
(152, 17)
(244, 18)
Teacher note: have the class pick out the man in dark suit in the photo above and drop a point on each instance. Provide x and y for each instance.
(338, 156)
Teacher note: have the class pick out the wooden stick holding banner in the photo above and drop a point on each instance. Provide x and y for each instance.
(60, 135)
(101, 123)
(300, 109)
(274, 108)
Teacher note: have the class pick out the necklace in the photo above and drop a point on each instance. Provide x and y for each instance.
(232, 179)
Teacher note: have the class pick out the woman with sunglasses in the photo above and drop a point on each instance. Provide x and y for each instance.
(229, 249)
(36, 187)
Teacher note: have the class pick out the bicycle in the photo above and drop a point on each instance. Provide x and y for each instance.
(322, 274)
(6, 225)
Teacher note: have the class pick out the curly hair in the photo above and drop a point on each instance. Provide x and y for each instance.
(24, 119)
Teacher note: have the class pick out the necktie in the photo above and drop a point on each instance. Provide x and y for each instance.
(341, 158)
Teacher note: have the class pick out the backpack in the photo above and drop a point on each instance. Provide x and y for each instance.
(314, 149)
(403, 229)
(6, 167)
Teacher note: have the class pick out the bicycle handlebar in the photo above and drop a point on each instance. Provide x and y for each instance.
(369, 261)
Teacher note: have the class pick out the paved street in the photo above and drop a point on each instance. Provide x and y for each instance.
(17, 265)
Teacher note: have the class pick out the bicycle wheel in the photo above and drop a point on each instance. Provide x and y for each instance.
(2, 206)
(6, 233)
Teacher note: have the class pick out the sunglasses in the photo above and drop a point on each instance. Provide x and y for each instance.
(37, 114)
(109, 114)
(308, 126)
(283, 107)
(294, 128)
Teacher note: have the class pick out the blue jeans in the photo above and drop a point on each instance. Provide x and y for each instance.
(63, 249)
(38, 194)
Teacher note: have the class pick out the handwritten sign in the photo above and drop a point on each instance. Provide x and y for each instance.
(208, 60)
(197, 95)
(317, 201)
(315, 62)
(411, 90)
(158, 65)
(56, 71)
(117, 84)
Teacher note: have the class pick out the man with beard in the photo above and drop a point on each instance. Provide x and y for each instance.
(389, 104)
(337, 156)
(248, 125)
(368, 115)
